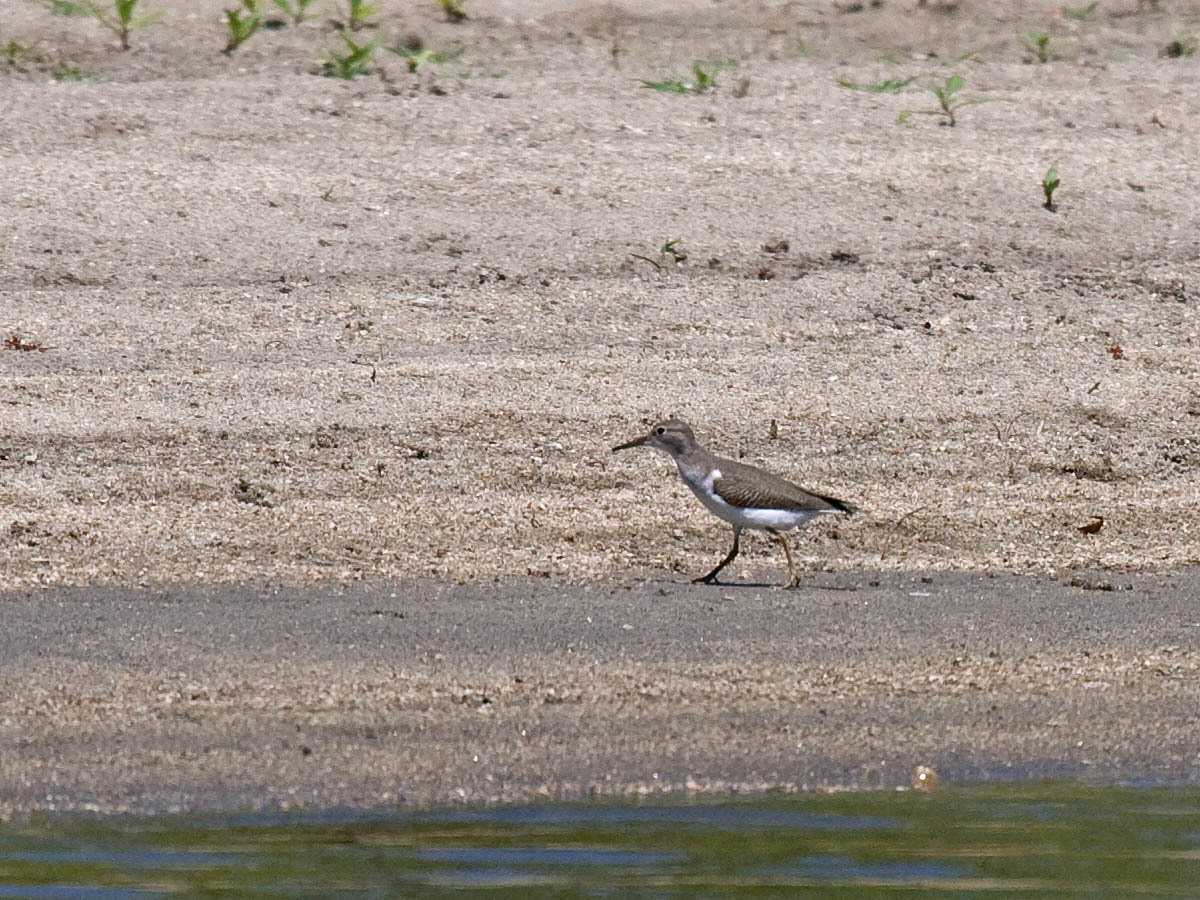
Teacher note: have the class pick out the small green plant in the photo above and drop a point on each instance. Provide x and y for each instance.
(1180, 46)
(64, 71)
(670, 85)
(947, 104)
(973, 56)
(354, 61)
(65, 8)
(890, 86)
(1078, 13)
(417, 56)
(357, 13)
(454, 10)
(1050, 184)
(673, 250)
(118, 16)
(1038, 43)
(241, 23)
(670, 252)
(801, 47)
(14, 51)
(704, 78)
(296, 10)
(121, 18)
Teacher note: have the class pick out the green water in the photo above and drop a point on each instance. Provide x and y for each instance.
(995, 841)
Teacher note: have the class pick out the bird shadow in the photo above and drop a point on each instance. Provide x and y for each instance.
(761, 585)
(692, 583)
(757, 585)
(751, 585)
(734, 585)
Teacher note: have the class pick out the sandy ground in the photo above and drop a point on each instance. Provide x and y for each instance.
(222, 252)
(267, 327)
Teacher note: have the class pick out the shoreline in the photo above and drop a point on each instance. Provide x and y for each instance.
(425, 693)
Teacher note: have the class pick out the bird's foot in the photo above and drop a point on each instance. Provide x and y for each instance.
(706, 579)
(792, 583)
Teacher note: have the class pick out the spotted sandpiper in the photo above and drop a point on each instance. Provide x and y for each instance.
(744, 496)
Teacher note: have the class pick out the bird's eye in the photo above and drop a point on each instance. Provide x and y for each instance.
(660, 430)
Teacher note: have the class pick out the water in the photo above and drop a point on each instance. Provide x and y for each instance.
(1010, 841)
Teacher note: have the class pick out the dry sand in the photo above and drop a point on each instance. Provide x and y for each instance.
(272, 327)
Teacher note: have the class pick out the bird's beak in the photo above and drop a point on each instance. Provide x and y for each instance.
(636, 442)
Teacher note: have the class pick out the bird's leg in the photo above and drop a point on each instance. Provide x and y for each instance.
(794, 577)
(711, 577)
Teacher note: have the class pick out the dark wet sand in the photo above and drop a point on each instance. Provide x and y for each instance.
(425, 692)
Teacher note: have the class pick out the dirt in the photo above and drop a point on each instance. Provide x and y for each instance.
(263, 326)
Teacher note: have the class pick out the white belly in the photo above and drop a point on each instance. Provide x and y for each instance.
(776, 519)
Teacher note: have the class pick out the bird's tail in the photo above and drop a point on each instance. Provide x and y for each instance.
(836, 505)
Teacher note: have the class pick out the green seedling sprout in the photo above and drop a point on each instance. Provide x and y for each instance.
(673, 250)
(973, 56)
(241, 23)
(1078, 13)
(13, 51)
(1050, 184)
(1180, 46)
(704, 78)
(357, 13)
(416, 57)
(64, 71)
(297, 11)
(670, 250)
(1038, 43)
(668, 86)
(947, 104)
(64, 8)
(354, 61)
(454, 10)
(890, 86)
(118, 16)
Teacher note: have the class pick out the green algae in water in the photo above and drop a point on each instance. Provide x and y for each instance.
(1014, 841)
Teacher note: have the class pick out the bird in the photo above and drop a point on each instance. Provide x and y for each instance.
(742, 495)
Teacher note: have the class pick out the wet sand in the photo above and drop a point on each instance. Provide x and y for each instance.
(427, 693)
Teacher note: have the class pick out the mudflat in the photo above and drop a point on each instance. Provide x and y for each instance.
(267, 327)
(430, 693)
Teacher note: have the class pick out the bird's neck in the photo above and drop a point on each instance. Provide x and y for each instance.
(695, 465)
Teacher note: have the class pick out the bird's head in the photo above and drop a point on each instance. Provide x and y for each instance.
(672, 436)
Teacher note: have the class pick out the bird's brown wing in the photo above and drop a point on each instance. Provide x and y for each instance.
(741, 485)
